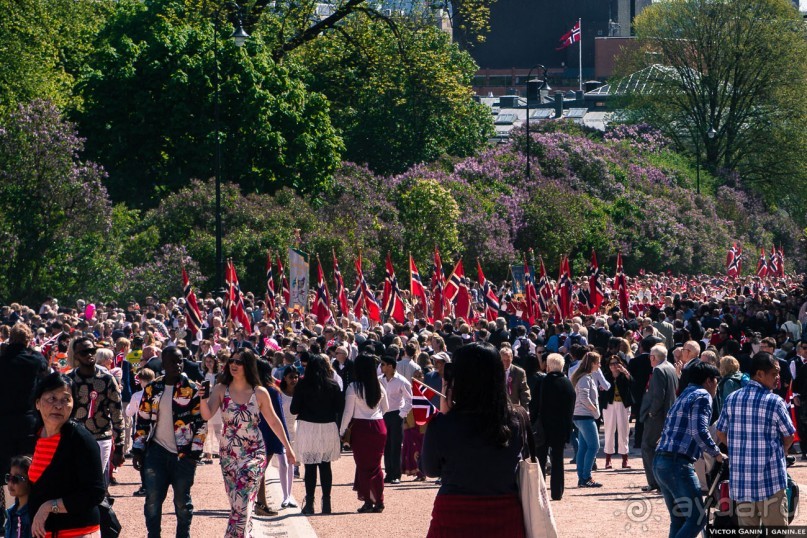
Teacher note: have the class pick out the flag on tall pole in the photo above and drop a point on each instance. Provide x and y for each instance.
(193, 317)
(621, 285)
(544, 289)
(491, 301)
(452, 287)
(773, 265)
(416, 288)
(531, 310)
(575, 35)
(437, 285)
(270, 287)
(596, 295)
(237, 311)
(322, 301)
(285, 291)
(732, 262)
(781, 256)
(341, 291)
(762, 264)
(393, 303)
(564, 290)
(364, 298)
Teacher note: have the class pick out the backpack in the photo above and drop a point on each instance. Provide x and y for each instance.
(574, 339)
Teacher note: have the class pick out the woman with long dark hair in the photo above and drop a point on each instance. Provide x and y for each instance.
(317, 401)
(475, 448)
(243, 400)
(365, 405)
(615, 404)
(213, 441)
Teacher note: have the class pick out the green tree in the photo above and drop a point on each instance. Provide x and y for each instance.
(149, 108)
(736, 67)
(54, 211)
(429, 216)
(400, 91)
(44, 43)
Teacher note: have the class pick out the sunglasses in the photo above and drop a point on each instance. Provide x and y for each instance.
(15, 478)
(237, 362)
(88, 351)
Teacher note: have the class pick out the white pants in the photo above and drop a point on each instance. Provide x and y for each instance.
(106, 451)
(615, 419)
(128, 424)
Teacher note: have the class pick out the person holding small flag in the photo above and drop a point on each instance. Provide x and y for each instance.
(399, 398)
(415, 426)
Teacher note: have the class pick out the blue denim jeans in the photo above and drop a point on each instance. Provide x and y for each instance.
(161, 469)
(682, 494)
(588, 439)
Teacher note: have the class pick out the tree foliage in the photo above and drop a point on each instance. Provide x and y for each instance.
(150, 102)
(54, 210)
(400, 92)
(737, 67)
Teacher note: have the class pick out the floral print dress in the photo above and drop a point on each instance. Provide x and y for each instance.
(243, 461)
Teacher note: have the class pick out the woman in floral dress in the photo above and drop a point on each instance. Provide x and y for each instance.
(242, 400)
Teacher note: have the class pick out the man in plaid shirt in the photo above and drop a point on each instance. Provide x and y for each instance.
(684, 437)
(756, 427)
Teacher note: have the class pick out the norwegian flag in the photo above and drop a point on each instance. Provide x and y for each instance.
(463, 308)
(781, 262)
(393, 303)
(544, 289)
(437, 285)
(322, 302)
(773, 264)
(193, 317)
(364, 298)
(762, 264)
(564, 290)
(596, 294)
(531, 310)
(732, 262)
(491, 301)
(621, 285)
(416, 287)
(341, 291)
(422, 407)
(454, 282)
(237, 311)
(284, 283)
(571, 37)
(270, 287)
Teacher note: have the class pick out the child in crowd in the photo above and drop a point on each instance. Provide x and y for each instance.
(18, 520)
(145, 377)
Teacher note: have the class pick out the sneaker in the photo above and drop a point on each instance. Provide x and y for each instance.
(290, 502)
(589, 484)
(140, 493)
(395, 481)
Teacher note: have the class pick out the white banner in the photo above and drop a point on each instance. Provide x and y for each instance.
(298, 280)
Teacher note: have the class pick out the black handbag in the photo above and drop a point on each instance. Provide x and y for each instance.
(110, 525)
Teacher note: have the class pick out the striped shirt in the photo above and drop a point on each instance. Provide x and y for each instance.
(686, 428)
(755, 419)
(43, 454)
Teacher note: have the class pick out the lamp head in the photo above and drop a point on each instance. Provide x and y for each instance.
(711, 132)
(240, 36)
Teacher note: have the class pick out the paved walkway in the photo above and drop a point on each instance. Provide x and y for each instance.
(618, 508)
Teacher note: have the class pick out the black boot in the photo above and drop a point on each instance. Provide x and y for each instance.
(326, 504)
(308, 506)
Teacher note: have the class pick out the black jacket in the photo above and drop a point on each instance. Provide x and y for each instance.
(73, 475)
(21, 369)
(625, 391)
(557, 406)
(640, 369)
(317, 405)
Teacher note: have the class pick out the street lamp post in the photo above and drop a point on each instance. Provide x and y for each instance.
(711, 134)
(239, 36)
(543, 83)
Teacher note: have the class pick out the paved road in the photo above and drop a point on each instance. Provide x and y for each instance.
(616, 508)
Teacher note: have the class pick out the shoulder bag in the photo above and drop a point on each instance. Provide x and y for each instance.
(539, 522)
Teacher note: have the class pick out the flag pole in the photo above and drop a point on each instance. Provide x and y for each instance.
(580, 54)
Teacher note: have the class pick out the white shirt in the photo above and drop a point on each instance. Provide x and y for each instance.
(407, 367)
(602, 383)
(356, 407)
(164, 431)
(134, 403)
(399, 393)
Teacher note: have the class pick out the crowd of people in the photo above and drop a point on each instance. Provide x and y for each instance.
(706, 368)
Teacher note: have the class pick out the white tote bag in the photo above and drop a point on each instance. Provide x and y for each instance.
(538, 519)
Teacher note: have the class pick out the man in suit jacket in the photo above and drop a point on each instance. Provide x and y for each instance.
(639, 369)
(657, 401)
(516, 380)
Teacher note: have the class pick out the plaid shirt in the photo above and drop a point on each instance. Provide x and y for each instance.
(755, 420)
(686, 429)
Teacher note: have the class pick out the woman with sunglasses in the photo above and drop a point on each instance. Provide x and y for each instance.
(242, 401)
(67, 483)
(615, 404)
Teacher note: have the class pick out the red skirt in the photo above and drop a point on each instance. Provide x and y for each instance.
(367, 438)
(472, 516)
